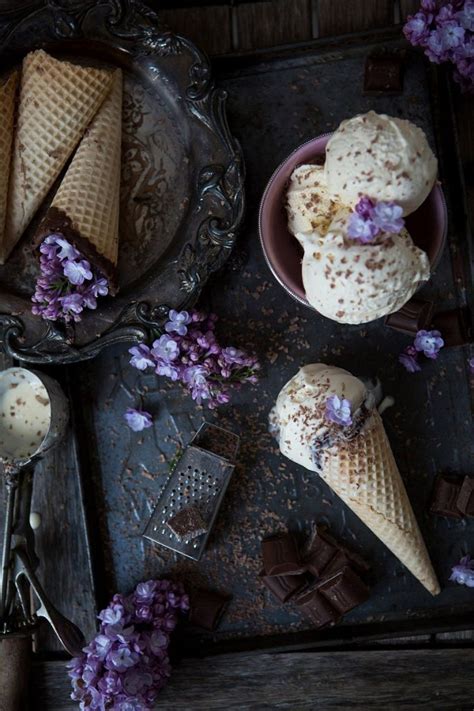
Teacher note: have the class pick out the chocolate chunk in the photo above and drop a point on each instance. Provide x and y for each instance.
(207, 608)
(354, 558)
(187, 524)
(445, 497)
(344, 591)
(283, 586)
(414, 316)
(280, 555)
(383, 75)
(318, 553)
(336, 564)
(465, 500)
(319, 610)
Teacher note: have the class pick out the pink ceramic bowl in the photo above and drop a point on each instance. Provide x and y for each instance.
(427, 225)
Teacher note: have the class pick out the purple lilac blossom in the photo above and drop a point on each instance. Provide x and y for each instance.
(445, 31)
(196, 359)
(463, 573)
(67, 284)
(127, 664)
(138, 420)
(338, 410)
(471, 365)
(409, 359)
(429, 343)
(370, 218)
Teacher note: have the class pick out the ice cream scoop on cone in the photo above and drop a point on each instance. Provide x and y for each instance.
(85, 209)
(7, 115)
(354, 458)
(57, 102)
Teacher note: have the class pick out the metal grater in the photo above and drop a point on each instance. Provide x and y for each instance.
(200, 478)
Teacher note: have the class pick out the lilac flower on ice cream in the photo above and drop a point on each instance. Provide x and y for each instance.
(138, 420)
(370, 218)
(338, 410)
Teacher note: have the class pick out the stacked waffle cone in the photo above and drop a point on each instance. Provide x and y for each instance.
(364, 474)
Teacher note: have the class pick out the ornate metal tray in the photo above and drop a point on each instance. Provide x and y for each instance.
(182, 175)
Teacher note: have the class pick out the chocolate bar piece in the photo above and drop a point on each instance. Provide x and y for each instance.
(383, 75)
(465, 500)
(207, 608)
(283, 586)
(319, 610)
(187, 524)
(445, 497)
(354, 558)
(280, 555)
(318, 553)
(344, 591)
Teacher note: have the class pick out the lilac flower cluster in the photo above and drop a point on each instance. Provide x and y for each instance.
(68, 283)
(370, 218)
(427, 342)
(446, 32)
(339, 410)
(189, 353)
(463, 573)
(127, 663)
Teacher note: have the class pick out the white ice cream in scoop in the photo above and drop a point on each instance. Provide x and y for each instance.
(382, 157)
(355, 283)
(308, 204)
(299, 413)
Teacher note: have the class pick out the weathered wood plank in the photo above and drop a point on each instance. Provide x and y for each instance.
(209, 27)
(398, 679)
(265, 24)
(339, 17)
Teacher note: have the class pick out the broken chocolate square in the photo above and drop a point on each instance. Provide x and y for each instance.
(280, 555)
(319, 552)
(187, 524)
(344, 591)
(465, 500)
(283, 586)
(206, 608)
(383, 75)
(445, 496)
(317, 609)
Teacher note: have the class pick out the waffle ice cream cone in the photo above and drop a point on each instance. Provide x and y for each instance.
(364, 474)
(7, 116)
(57, 102)
(85, 208)
(357, 464)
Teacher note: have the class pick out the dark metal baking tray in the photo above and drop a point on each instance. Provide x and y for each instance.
(276, 103)
(182, 175)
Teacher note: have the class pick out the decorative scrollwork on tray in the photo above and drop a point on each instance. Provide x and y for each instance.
(136, 28)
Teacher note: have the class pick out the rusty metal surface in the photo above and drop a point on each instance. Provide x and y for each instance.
(273, 107)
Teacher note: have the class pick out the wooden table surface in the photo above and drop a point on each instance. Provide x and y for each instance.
(430, 671)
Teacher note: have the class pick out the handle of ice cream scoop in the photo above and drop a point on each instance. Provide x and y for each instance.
(15, 657)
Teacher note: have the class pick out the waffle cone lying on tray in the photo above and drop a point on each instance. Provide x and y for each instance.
(57, 102)
(356, 460)
(85, 208)
(7, 115)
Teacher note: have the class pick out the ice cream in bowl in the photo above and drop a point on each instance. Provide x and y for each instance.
(353, 223)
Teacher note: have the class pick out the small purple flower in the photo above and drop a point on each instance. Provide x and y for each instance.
(416, 28)
(360, 229)
(121, 659)
(338, 411)
(145, 592)
(77, 271)
(168, 371)
(409, 359)
(138, 420)
(72, 303)
(466, 16)
(165, 348)
(471, 365)
(387, 216)
(178, 320)
(429, 342)
(141, 357)
(64, 249)
(112, 615)
(365, 207)
(110, 683)
(451, 35)
(463, 573)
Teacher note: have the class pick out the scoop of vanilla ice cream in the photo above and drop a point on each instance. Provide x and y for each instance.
(383, 157)
(300, 408)
(308, 204)
(351, 282)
